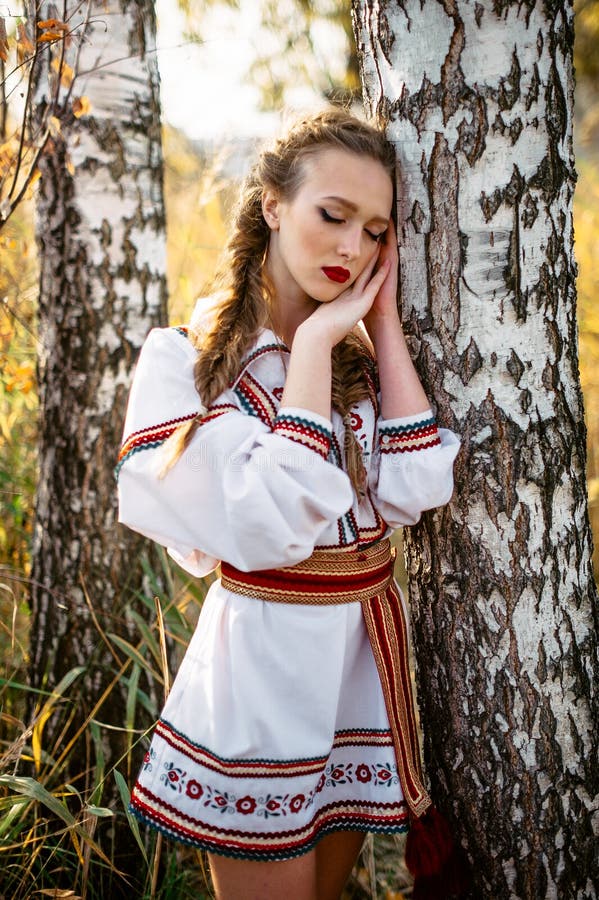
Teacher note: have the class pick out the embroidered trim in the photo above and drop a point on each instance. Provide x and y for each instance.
(219, 409)
(263, 768)
(255, 399)
(181, 329)
(305, 432)
(249, 768)
(266, 804)
(354, 815)
(147, 438)
(260, 351)
(407, 438)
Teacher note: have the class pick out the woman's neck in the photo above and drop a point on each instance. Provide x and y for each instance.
(289, 307)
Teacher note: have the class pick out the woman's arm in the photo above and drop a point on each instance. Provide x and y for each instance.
(308, 383)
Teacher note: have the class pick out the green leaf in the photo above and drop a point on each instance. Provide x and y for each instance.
(126, 800)
(31, 788)
(101, 811)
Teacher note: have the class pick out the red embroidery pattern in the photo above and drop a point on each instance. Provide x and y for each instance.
(271, 804)
(255, 399)
(155, 435)
(304, 432)
(356, 421)
(146, 438)
(361, 815)
(407, 438)
(250, 768)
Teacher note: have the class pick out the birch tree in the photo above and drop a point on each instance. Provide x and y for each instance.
(101, 240)
(477, 98)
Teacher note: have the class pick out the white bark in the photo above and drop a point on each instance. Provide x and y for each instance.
(477, 98)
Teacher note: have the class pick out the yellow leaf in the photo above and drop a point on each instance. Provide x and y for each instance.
(66, 72)
(54, 24)
(33, 179)
(49, 36)
(24, 46)
(70, 166)
(81, 107)
(54, 126)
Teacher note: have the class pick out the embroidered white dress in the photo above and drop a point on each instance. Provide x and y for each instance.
(275, 731)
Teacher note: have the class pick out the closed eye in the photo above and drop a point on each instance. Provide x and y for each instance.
(376, 237)
(329, 218)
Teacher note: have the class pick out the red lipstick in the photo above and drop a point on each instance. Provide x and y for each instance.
(336, 273)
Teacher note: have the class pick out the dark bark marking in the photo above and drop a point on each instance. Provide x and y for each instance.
(515, 367)
(470, 362)
(508, 92)
(472, 135)
(417, 217)
(442, 243)
(532, 95)
(386, 37)
(452, 77)
(513, 270)
(478, 13)
(529, 210)
(514, 129)
(556, 106)
(525, 400)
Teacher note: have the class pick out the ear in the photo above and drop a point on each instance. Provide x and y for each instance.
(270, 208)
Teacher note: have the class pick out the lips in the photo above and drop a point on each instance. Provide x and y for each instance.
(336, 273)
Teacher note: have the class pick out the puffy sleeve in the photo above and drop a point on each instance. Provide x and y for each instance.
(412, 467)
(254, 495)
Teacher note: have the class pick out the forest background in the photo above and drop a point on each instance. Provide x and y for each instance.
(200, 185)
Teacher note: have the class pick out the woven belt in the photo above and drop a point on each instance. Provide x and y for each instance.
(346, 577)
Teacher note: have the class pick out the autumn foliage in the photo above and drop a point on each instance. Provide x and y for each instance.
(22, 143)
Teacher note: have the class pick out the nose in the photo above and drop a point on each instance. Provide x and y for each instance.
(350, 243)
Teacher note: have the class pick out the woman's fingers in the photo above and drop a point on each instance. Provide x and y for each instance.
(362, 279)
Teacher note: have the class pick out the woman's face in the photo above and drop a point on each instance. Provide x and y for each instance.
(327, 233)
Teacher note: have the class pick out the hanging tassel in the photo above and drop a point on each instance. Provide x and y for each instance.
(437, 864)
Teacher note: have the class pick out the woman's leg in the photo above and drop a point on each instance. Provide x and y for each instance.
(336, 855)
(240, 879)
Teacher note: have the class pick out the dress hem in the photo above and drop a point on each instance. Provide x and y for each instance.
(264, 855)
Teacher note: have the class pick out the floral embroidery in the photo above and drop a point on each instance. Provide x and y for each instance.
(174, 777)
(194, 789)
(278, 392)
(385, 774)
(273, 804)
(246, 805)
(339, 774)
(149, 759)
(356, 421)
(296, 803)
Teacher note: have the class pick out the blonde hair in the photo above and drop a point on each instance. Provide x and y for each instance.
(244, 293)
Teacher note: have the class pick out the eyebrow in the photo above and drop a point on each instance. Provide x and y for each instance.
(352, 206)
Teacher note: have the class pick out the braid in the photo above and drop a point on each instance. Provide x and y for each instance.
(352, 365)
(241, 312)
(243, 293)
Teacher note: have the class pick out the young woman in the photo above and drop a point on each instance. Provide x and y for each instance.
(285, 434)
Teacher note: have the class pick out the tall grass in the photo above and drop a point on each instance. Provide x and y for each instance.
(55, 839)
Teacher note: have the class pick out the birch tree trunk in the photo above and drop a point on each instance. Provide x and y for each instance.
(101, 237)
(477, 98)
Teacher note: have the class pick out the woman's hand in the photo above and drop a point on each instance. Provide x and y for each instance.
(384, 307)
(334, 320)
